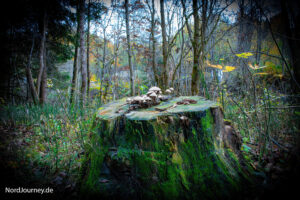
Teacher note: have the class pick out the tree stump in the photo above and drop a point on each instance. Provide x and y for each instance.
(182, 152)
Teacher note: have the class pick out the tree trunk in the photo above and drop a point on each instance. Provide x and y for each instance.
(156, 76)
(132, 92)
(103, 72)
(81, 52)
(74, 77)
(245, 32)
(29, 76)
(164, 47)
(43, 89)
(185, 152)
(291, 34)
(75, 64)
(88, 52)
(196, 48)
(43, 30)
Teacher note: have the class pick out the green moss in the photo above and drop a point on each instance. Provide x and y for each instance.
(162, 162)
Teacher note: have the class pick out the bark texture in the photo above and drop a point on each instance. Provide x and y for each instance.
(181, 153)
(43, 30)
(132, 92)
(164, 46)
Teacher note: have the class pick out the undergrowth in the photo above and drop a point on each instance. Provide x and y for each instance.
(269, 121)
(51, 137)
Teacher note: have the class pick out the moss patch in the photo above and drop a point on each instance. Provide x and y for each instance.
(158, 155)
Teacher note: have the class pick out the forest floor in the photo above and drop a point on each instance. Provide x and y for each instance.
(275, 174)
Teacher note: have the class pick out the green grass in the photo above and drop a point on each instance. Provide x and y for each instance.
(57, 135)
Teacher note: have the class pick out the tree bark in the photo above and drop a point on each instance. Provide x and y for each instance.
(147, 154)
(43, 30)
(75, 63)
(132, 92)
(245, 32)
(164, 47)
(196, 48)
(81, 52)
(43, 89)
(156, 76)
(88, 51)
(30, 82)
(292, 33)
(103, 72)
(74, 77)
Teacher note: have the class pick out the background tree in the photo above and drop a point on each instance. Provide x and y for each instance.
(132, 92)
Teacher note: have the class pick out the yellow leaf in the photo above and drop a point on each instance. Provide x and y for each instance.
(229, 68)
(214, 66)
(244, 55)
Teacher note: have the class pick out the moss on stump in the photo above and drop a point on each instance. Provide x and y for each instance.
(178, 153)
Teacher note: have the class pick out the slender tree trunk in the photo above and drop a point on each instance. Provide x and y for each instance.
(29, 76)
(81, 53)
(75, 63)
(152, 11)
(43, 89)
(74, 78)
(116, 49)
(88, 52)
(79, 45)
(43, 30)
(164, 46)
(103, 64)
(196, 44)
(245, 32)
(132, 92)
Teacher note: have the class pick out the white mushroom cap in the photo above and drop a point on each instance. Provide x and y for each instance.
(128, 100)
(168, 91)
(147, 99)
(155, 89)
(138, 98)
(153, 94)
(172, 89)
(148, 93)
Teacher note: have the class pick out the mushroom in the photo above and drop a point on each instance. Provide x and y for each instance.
(157, 90)
(128, 100)
(148, 93)
(172, 89)
(163, 97)
(168, 91)
(137, 100)
(147, 99)
(153, 96)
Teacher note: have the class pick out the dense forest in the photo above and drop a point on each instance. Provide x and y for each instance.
(150, 99)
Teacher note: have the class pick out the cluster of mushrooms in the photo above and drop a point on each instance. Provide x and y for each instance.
(153, 97)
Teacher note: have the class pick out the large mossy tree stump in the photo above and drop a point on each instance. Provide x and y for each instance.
(178, 153)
